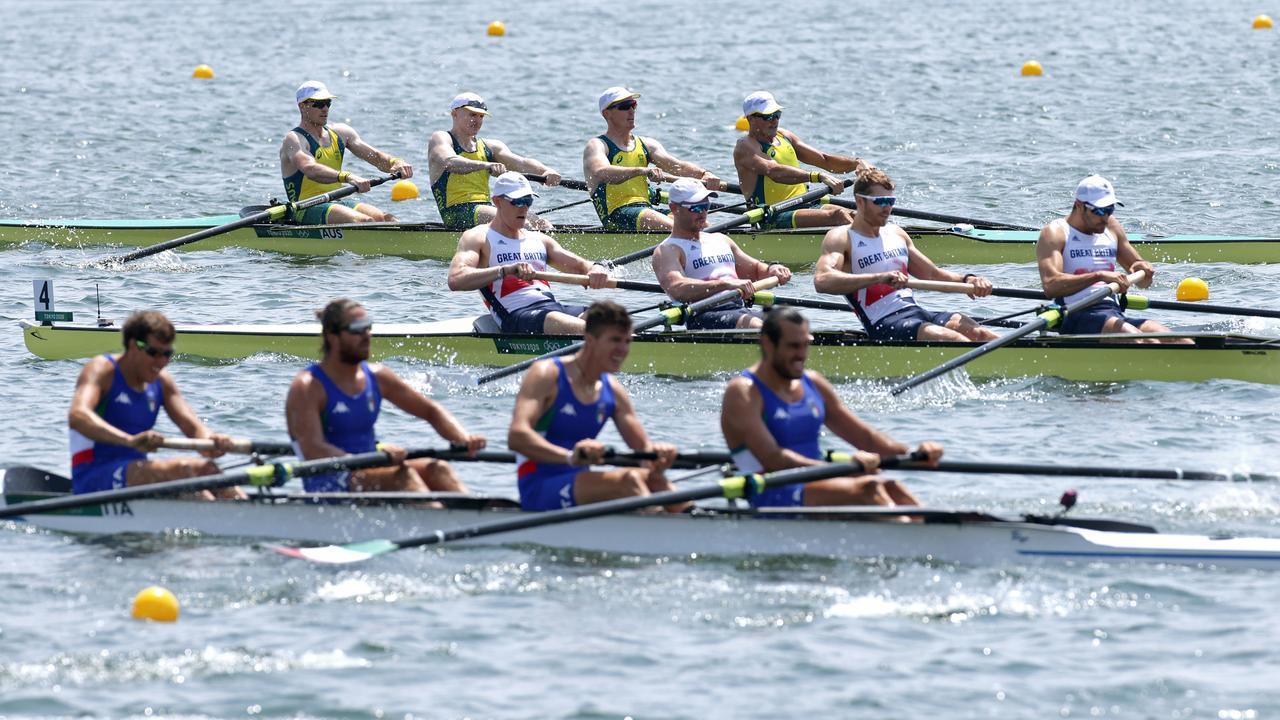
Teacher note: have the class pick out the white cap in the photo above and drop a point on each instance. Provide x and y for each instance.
(615, 94)
(512, 185)
(1097, 191)
(759, 103)
(687, 191)
(470, 101)
(313, 90)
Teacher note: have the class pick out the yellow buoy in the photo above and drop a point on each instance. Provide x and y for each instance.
(204, 72)
(404, 190)
(1031, 68)
(741, 124)
(497, 29)
(155, 603)
(1193, 289)
(1262, 22)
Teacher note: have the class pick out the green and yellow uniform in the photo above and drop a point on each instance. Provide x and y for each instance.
(458, 196)
(619, 205)
(300, 187)
(768, 192)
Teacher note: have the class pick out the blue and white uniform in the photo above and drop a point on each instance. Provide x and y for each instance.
(886, 312)
(1085, 253)
(520, 306)
(710, 257)
(348, 422)
(794, 426)
(550, 486)
(103, 466)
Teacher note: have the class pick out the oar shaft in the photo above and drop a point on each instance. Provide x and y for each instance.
(940, 286)
(953, 466)
(569, 183)
(242, 446)
(272, 213)
(939, 217)
(1046, 319)
(764, 298)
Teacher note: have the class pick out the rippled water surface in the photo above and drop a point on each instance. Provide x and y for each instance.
(1174, 101)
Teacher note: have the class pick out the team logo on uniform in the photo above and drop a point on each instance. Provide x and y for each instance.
(340, 407)
(779, 414)
(568, 410)
(600, 414)
(862, 243)
(151, 402)
(566, 496)
(123, 399)
(813, 408)
(370, 403)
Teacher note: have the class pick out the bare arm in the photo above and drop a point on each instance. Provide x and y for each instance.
(467, 271)
(400, 394)
(742, 423)
(566, 260)
(1127, 255)
(668, 267)
(1049, 259)
(659, 156)
(749, 158)
(293, 154)
(851, 428)
(363, 150)
(830, 162)
(519, 163)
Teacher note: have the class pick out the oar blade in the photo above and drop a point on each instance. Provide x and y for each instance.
(339, 554)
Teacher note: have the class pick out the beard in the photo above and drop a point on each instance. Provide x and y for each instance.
(353, 356)
(784, 370)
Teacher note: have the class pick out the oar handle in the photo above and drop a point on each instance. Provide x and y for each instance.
(238, 445)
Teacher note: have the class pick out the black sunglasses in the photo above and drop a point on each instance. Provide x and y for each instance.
(624, 105)
(153, 352)
(319, 103)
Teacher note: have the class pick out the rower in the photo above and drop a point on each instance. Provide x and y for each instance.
(332, 407)
(618, 169)
(560, 409)
(774, 411)
(1080, 252)
(311, 162)
(691, 265)
(768, 162)
(114, 409)
(870, 261)
(460, 163)
(500, 258)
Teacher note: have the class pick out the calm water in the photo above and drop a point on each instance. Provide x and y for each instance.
(1174, 101)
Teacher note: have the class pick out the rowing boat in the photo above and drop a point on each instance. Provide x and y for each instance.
(844, 533)
(688, 353)
(796, 248)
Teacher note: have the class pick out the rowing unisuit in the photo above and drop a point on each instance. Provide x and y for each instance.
(509, 294)
(101, 466)
(877, 255)
(1086, 253)
(794, 426)
(348, 422)
(568, 420)
(457, 195)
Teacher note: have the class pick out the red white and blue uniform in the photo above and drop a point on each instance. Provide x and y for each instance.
(1084, 253)
(348, 422)
(710, 257)
(550, 486)
(886, 312)
(520, 306)
(795, 426)
(103, 466)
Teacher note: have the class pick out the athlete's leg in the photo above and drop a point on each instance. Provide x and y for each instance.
(438, 475)
(928, 332)
(653, 220)
(969, 328)
(558, 323)
(824, 216)
(145, 472)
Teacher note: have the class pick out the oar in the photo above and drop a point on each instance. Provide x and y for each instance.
(270, 474)
(939, 217)
(670, 316)
(741, 486)
(1088, 471)
(1044, 320)
(243, 447)
(750, 216)
(276, 212)
(1132, 301)
(688, 459)
(581, 185)
(763, 298)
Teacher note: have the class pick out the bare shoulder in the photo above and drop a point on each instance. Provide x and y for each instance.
(440, 137)
(473, 237)
(1052, 234)
(836, 239)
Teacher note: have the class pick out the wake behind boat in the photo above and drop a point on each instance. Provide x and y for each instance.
(476, 341)
(848, 533)
(430, 240)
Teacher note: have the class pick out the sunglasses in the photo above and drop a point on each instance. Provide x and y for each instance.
(1100, 211)
(624, 105)
(698, 208)
(880, 200)
(522, 202)
(153, 352)
(771, 116)
(319, 103)
(359, 327)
